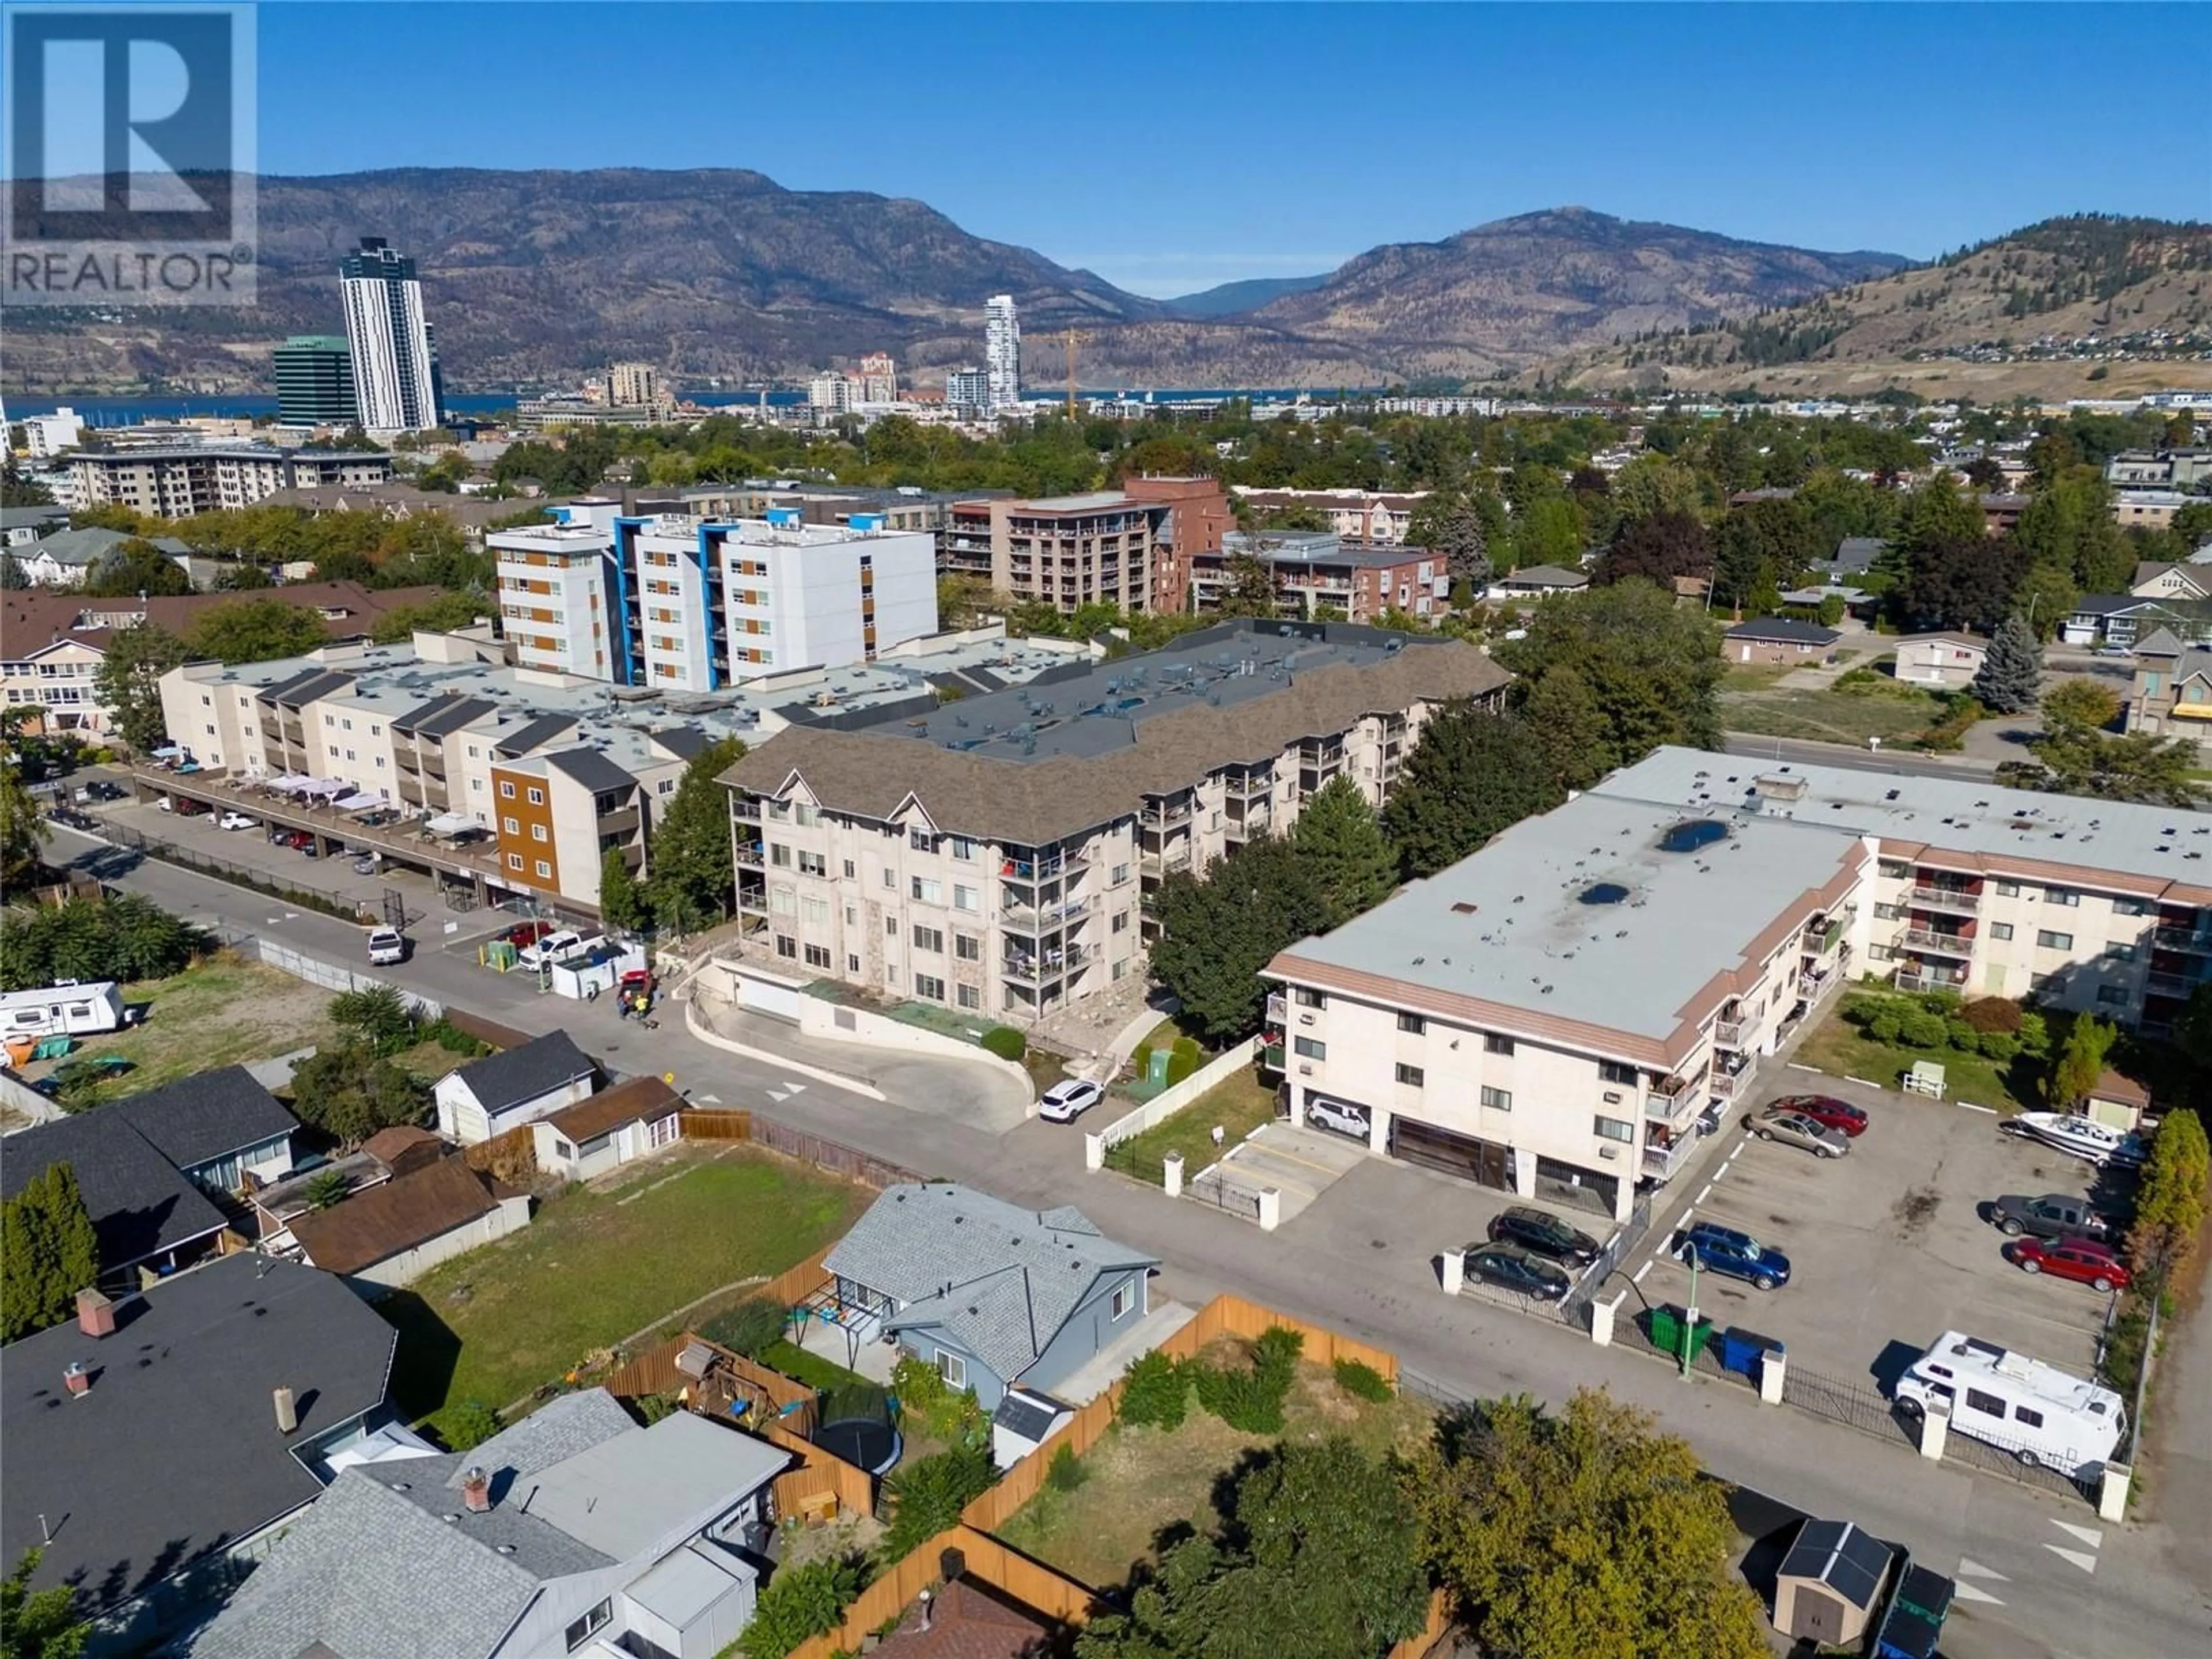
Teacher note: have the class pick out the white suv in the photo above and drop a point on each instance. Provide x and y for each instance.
(1325, 1113)
(385, 947)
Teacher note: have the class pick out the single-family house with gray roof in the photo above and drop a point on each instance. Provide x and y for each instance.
(575, 1530)
(518, 1085)
(988, 1292)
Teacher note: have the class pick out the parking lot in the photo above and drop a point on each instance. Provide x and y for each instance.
(1889, 1247)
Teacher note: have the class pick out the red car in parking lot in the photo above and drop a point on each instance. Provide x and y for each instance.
(526, 934)
(2082, 1260)
(1827, 1111)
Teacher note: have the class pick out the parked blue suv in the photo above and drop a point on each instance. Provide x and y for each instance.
(1724, 1250)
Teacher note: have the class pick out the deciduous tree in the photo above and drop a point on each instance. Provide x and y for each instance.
(2081, 1061)
(1653, 668)
(40, 1624)
(23, 831)
(2080, 702)
(690, 872)
(1471, 774)
(129, 682)
(2171, 1200)
(1657, 548)
(1965, 583)
(1586, 1533)
(351, 1092)
(621, 901)
(442, 614)
(256, 630)
(134, 567)
(2140, 766)
(1341, 842)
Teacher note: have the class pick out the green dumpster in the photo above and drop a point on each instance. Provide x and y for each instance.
(1156, 1068)
(1667, 1329)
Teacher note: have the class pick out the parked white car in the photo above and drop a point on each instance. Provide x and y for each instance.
(1068, 1100)
(236, 821)
(1323, 1113)
(551, 948)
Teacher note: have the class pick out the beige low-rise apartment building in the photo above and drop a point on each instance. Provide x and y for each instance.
(177, 481)
(1553, 1014)
(997, 854)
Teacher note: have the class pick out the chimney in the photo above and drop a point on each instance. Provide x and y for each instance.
(78, 1378)
(475, 1490)
(288, 1413)
(95, 1314)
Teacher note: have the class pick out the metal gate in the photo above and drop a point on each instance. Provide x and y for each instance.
(1853, 1404)
(1215, 1188)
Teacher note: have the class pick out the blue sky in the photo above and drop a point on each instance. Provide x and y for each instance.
(1171, 147)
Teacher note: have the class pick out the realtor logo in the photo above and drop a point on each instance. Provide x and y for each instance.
(130, 161)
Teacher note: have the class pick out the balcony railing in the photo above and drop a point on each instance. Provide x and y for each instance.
(1927, 939)
(1728, 1033)
(1661, 1161)
(1727, 1087)
(1820, 941)
(2182, 938)
(1250, 786)
(1165, 818)
(745, 811)
(1160, 864)
(1029, 919)
(1945, 898)
(1271, 1056)
(1931, 979)
(1030, 871)
(751, 855)
(1672, 1105)
(1044, 969)
(2172, 985)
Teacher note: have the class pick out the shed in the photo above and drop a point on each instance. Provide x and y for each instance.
(2119, 1101)
(1830, 1583)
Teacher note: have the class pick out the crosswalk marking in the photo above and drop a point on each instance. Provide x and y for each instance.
(2090, 1535)
(2081, 1559)
(710, 1100)
(1975, 1569)
(1962, 1591)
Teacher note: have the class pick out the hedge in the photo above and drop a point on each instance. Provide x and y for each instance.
(1007, 1042)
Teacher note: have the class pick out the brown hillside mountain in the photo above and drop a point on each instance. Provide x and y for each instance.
(1965, 326)
(539, 277)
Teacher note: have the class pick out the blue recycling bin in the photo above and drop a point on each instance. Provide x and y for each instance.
(1740, 1350)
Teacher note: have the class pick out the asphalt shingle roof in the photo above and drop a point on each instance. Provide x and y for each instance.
(140, 1203)
(999, 1279)
(201, 1118)
(1793, 629)
(514, 1075)
(175, 1450)
(593, 770)
(394, 1215)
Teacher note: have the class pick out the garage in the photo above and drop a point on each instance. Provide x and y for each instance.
(1486, 1162)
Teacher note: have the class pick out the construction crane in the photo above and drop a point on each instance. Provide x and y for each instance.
(1073, 338)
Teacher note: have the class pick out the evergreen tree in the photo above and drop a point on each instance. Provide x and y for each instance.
(51, 1252)
(1460, 540)
(1341, 842)
(129, 681)
(40, 1624)
(2011, 676)
(1217, 931)
(691, 870)
(1472, 775)
(622, 902)
(2081, 1062)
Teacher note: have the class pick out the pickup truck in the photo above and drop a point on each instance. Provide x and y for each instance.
(2054, 1215)
(554, 947)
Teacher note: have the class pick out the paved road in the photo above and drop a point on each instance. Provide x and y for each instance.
(2043, 1579)
(1903, 763)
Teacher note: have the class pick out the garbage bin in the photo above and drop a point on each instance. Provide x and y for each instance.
(1740, 1350)
(1667, 1328)
(1156, 1068)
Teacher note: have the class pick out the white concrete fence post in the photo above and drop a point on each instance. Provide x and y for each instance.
(1172, 1181)
(1772, 1367)
(1455, 1271)
(1602, 1314)
(1935, 1429)
(1094, 1151)
(2112, 1492)
(1271, 1209)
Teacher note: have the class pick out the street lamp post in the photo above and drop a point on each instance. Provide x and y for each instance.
(1690, 1324)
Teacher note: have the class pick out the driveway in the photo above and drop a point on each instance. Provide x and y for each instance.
(1299, 1162)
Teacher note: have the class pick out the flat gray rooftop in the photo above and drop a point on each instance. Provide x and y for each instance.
(1090, 708)
(1583, 914)
(1966, 815)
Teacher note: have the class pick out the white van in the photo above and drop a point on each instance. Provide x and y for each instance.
(2040, 1414)
(64, 1008)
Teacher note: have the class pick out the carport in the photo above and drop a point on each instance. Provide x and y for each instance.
(1486, 1162)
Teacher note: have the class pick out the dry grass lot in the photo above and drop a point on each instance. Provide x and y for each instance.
(1146, 1485)
(1239, 1106)
(1894, 714)
(223, 1012)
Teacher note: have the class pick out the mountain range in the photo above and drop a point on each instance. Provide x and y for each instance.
(539, 277)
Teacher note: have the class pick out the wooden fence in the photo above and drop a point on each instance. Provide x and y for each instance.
(654, 1371)
(834, 1156)
(486, 1030)
(715, 1126)
(1433, 1632)
(1030, 1584)
(511, 1156)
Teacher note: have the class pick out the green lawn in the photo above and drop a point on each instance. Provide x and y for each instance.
(1755, 676)
(1837, 1046)
(593, 1267)
(1893, 714)
(1240, 1105)
(1142, 1482)
(811, 1369)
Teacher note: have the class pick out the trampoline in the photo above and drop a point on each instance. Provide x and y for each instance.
(866, 1442)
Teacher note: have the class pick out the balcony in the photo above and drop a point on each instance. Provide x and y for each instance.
(1252, 786)
(1727, 1087)
(1160, 864)
(1030, 870)
(751, 855)
(2172, 985)
(1271, 1055)
(1166, 816)
(1927, 939)
(1279, 1011)
(1662, 1161)
(1038, 918)
(1674, 1100)
(2182, 938)
(1043, 968)
(1931, 978)
(745, 811)
(1820, 941)
(1730, 1033)
(1945, 898)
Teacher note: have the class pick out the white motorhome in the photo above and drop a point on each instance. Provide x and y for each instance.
(63, 1009)
(2038, 1413)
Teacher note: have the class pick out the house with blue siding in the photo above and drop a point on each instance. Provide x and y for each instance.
(988, 1293)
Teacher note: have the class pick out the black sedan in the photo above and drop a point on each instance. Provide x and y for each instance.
(1545, 1234)
(1510, 1268)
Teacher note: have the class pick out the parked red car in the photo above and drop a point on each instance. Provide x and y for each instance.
(525, 934)
(1827, 1111)
(2082, 1260)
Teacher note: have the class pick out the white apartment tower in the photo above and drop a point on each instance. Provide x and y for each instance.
(395, 366)
(1002, 351)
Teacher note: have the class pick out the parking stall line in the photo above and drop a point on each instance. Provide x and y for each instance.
(1636, 1278)
(1706, 1194)
(1969, 1105)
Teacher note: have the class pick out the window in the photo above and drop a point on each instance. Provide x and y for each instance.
(1988, 1404)
(1612, 1071)
(1122, 1300)
(2000, 930)
(928, 891)
(779, 855)
(1412, 1024)
(890, 879)
(852, 964)
(818, 956)
(1498, 1100)
(929, 938)
(786, 945)
(1494, 1044)
(1311, 1049)
(849, 870)
(952, 1368)
(538, 832)
(544, 868)
(512, 826)
(1309, 999)
(2112, 995)
(537, 796)
(2061, 896)
(2007, 890)
(963, 849)
(2047, 941)
(1411, 1076)
(815, 910)
(927, 985)
(1120, 874)
(779, 901)
(921, 841)
(1614, 1128)
(514, 861)
(1121, 921)
(2033, 1418)
(966, 898)
(804, 815)
(590, 1625)
(2129, 907)
(813, 864)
